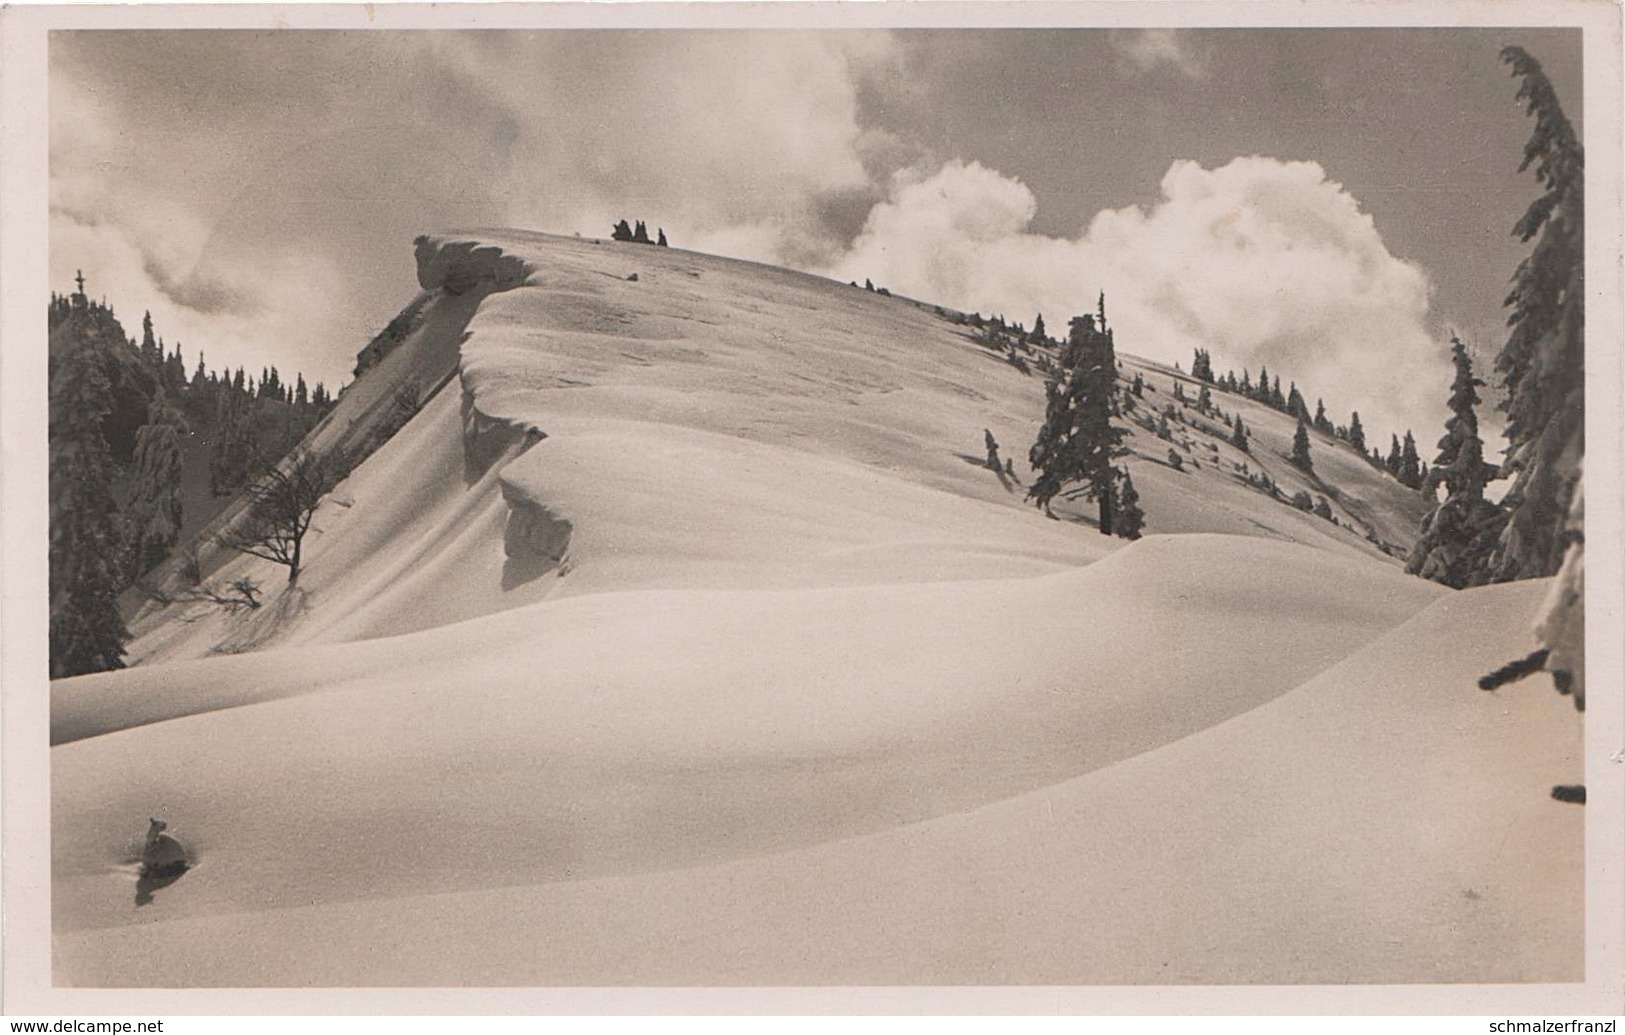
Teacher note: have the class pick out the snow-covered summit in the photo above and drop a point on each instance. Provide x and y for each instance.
(710, 423)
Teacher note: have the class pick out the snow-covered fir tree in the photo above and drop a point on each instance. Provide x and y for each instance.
(154, 511)
(87, 633)
(1130, 521)
(1459, 533)
(1077, 440)
(1542, 365)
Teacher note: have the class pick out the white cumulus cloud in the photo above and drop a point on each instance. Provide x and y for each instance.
(1261, 261)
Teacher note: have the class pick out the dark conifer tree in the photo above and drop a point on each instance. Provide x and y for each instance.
(1300, 448)
(622, 232)
(1296, 406)
(150, 352)
(1322, 422)
(1202, 366)
(1410, 465)
(1204, 399)
(1038, 337)
(641, 234)
(1077, 441)
(1262, 393)
(661, 241)
(1392, 463)
(1130, 522)
(58, 311)
(175, 371)
(1356, 434)
(1238, 436)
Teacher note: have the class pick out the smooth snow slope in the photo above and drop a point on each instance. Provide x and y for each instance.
(679, 638)
(1383, 822)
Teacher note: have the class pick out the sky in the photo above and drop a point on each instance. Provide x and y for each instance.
(1331, 203)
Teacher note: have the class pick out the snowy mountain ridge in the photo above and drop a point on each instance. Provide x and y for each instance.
(541, 333)
(674, 630)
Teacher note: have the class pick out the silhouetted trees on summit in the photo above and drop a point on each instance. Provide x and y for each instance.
(638, 234)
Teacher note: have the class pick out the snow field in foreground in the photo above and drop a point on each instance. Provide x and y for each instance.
(1382, 821)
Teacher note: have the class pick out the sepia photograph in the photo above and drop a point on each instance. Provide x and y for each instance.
(633, 497)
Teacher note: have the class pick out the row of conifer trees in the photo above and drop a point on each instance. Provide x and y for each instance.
(126, 426)
(1403, 462)
(638, 234)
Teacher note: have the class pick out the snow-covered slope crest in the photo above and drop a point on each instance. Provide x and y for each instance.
(463, 264)
(566, 416)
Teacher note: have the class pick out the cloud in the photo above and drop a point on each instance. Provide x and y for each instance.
(331, 151)
(1261, 261)
(1143, 51)
(714, 138)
